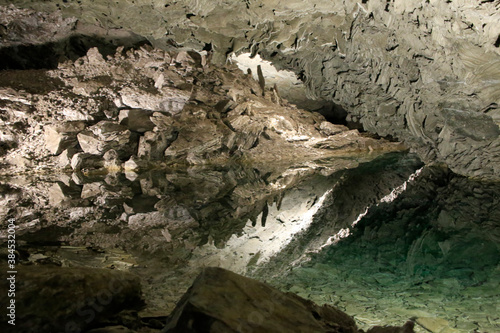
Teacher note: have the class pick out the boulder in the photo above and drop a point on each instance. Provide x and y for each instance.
(62, 299)
(107, 135)
(136, 120)
(86, 161)
(222, 301)
(62, 136)
(168, 100)
(327, 128)
(152, 145)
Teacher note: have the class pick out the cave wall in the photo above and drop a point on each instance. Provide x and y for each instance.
(426, 72)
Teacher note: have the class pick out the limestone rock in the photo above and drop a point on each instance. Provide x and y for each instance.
(107, 135)
(152, 145)
(64, 159)
(62, 136)
(327, 128)
(137, 120)
(435, 325)
(169, 100)
(222, 301)
(81, 161)
(112, 160)
(146, 220)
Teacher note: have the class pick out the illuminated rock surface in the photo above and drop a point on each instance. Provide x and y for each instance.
(425, 73)
(156, 138)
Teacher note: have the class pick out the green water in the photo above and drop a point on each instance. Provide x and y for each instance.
(433, 252)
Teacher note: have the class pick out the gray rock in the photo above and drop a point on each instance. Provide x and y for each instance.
(137, 120)
(152, 145)
(82, 161)
(64, 159)
(328, 128)
(169, 100)
(107, 135)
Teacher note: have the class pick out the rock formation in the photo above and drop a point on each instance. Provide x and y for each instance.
(221, 301)
(100, 101)
(150, 108)
(424, 72)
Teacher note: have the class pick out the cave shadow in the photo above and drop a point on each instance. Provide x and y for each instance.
(49, 55)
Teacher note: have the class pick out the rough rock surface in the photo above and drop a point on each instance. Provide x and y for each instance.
(55, 299)
(425, 72)
(436, 246)
(221, 301)
(164, 225)
(150, 108)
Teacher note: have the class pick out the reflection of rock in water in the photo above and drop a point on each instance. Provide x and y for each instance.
(166, 225)
(351, 194)
(433, 250)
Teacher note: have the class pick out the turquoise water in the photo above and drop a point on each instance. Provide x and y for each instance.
(432, 254)
(384, 240)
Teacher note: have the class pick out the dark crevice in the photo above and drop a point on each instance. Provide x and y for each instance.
(207, 47)
(497, 42)
(49, 55)
(333, 113)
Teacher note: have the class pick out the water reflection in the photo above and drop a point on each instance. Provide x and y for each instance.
(166, 224)
(432, 252)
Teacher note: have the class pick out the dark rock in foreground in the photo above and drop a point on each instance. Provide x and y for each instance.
(222, 301)
(55, 299)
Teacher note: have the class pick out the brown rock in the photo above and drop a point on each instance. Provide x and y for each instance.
(62, 136)
(56, 299)
(222, 301)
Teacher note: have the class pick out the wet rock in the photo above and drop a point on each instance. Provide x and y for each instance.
(57, 299)
(226, 302)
